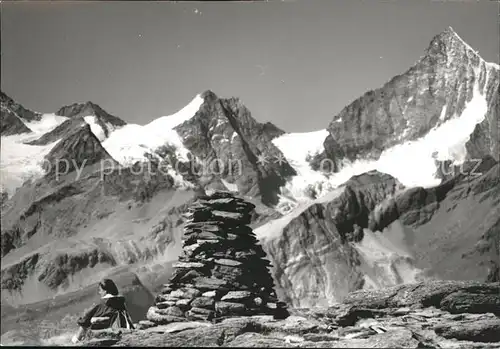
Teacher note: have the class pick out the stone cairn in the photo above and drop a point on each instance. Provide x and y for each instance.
(221, 271)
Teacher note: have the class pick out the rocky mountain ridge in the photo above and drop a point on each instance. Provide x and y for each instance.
(12, 115)
(441, 85)
(347, 230)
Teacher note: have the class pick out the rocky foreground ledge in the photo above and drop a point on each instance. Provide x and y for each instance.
(437, 314)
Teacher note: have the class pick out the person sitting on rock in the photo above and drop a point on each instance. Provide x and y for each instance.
(110, 312)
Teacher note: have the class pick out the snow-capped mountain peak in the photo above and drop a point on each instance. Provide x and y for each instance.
(131, 142)
(435, 107)
(171, 121)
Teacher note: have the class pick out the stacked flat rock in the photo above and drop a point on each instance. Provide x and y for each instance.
(222, 271)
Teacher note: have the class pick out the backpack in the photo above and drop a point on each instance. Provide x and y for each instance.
(122, 319)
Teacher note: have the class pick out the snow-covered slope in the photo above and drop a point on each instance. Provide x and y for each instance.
(413, 163)
(129, 143)
(438, 135)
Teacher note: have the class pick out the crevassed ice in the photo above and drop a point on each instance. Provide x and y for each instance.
(413, 163)
(296, 147)
(19, 161)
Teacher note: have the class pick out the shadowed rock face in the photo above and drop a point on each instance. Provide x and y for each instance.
(224, 129)
(10, 123)
(76, 150)
(436, 89)
(221, 271)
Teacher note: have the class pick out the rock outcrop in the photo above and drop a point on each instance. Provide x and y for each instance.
(222, 271)
(411, 316)
(22, 112)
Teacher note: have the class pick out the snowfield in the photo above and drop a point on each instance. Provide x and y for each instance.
(47, 123)
(129, 143)
(19, 161)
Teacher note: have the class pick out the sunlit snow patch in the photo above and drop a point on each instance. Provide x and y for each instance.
(19, 162)
(97, 129)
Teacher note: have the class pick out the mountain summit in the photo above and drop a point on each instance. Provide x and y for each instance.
(93, 114)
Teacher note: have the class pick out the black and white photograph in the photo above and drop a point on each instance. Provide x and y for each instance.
(267, 173)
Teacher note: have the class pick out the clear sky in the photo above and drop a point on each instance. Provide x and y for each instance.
(294, 63)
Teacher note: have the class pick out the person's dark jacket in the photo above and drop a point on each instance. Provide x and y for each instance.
(111, 307)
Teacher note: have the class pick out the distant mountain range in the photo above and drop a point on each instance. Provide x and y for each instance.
(402, 185)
